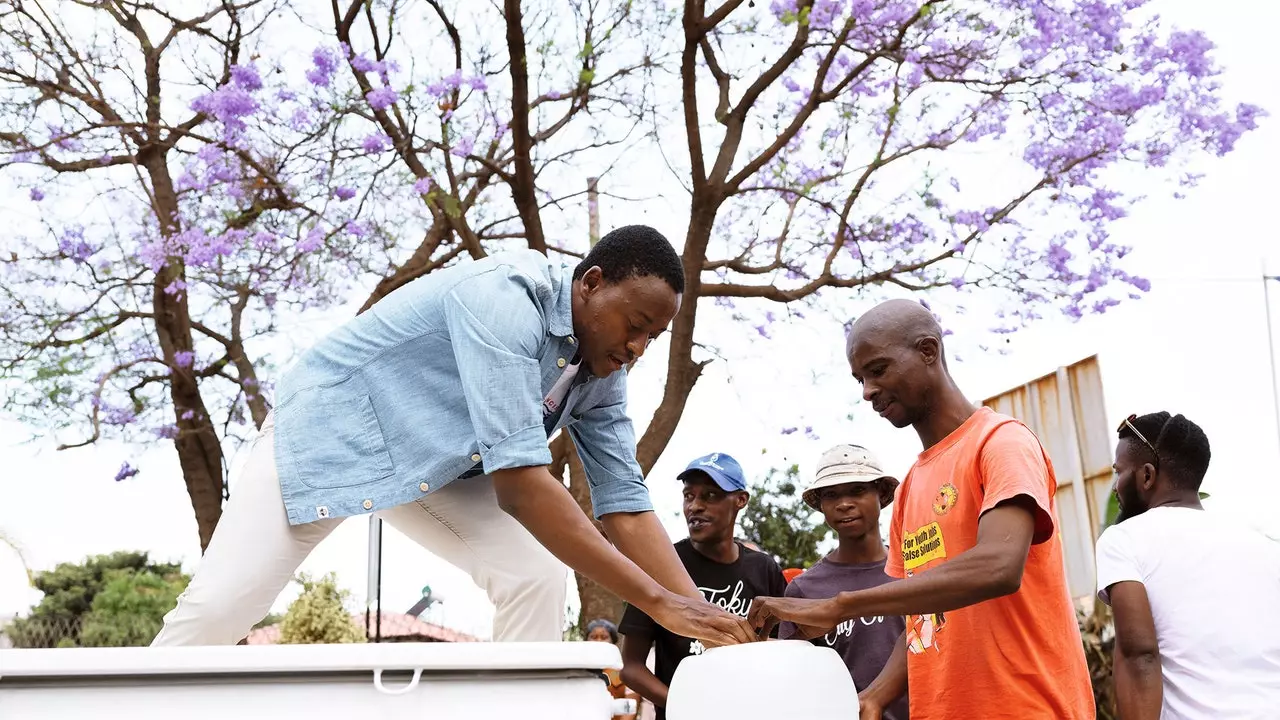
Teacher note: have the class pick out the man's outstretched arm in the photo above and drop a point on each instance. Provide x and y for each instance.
(544, 507)
(991, 568)
(641, 537)
(605, 441)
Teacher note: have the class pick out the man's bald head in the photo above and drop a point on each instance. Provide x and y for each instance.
(895, 352)
(904, 322)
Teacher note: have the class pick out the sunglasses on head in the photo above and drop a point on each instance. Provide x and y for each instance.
(1128, 423)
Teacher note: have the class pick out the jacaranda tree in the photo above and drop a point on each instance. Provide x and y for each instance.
(194, 179)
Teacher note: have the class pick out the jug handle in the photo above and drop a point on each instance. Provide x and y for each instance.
(377, 683)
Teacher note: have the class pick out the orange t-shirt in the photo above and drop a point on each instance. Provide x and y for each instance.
(1019, 656)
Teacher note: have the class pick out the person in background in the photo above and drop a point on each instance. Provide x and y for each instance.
(728, 574)
(601, 630)
(991, 631)
(849, 489)
(1194, 595)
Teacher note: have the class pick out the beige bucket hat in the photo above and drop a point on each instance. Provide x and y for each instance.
(849, 464)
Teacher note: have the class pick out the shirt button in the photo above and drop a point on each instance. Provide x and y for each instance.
(573, 340)
(475, 458)
(368, 504)
(560, 362)
(423, 487)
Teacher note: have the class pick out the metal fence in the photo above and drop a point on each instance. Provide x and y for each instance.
(66, 631)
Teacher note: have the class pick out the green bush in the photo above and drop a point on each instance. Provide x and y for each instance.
(319, 615)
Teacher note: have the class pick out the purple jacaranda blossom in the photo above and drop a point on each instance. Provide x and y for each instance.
(64, 139)
(360, 63)
(355, 229)
(381, 98)
(246, 77)
(313, 240)
(73, 245)
(175, 287)
(227, 104)
(118, 416)
(263, 240)
(125, 472)
(167, 432)
(344, 193)
(300, 120)
(422, 186)
(463, 147)
(324, 63)
(376, 143)
(184, 358)
(36, 194)
(784, 9)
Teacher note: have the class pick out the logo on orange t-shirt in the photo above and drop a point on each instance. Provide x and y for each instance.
(945, 499)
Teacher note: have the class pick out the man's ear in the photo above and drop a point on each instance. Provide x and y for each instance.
(740, 499)
(930, 349)
(591, 281)
(1148, 475)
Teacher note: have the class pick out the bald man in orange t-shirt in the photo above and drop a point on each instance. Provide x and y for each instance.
(991, 632)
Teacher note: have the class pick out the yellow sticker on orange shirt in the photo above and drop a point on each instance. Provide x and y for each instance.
(922, 546)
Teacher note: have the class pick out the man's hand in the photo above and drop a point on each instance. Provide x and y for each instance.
(544, 507)
(702, 621)
(811, 617)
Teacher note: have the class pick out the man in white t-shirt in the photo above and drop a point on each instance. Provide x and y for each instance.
(1194, 595)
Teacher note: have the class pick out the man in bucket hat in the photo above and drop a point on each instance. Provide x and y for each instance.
(849, 489)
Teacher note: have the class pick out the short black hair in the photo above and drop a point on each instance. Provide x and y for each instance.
(634, 251)
(1181, 447)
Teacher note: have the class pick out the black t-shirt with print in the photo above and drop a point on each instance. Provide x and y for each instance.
(731, 586)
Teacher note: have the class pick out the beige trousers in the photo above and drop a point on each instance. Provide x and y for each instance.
(255, 552)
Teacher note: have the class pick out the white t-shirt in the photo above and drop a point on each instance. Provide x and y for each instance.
(1214, 589)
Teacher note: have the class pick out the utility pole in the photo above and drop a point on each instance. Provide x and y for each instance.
(373, 598)
(1271, 346)
(593, 211)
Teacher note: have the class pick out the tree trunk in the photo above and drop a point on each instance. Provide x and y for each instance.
(682, 371)
(595, 600)
(199, 452)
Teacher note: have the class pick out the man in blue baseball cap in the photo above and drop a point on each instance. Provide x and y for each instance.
(729, 574)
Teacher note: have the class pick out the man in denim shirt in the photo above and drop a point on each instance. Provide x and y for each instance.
(433, 409)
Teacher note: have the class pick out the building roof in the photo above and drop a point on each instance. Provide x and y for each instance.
(395, 627)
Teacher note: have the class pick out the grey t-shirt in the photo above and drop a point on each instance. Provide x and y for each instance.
(864, 643)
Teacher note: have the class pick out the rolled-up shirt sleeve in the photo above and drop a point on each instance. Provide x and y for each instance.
(606, 442)
(496, 327)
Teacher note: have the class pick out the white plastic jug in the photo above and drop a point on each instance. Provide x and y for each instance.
(763, 681)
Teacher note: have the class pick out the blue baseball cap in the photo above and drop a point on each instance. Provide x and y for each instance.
(723, 469)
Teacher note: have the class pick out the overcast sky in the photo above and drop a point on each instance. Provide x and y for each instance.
(1196, 344)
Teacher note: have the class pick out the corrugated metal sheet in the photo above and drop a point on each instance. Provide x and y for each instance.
(1066, 411)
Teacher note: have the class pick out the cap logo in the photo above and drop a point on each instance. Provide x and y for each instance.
(712, 462)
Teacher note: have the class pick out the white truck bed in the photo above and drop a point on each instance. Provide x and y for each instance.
(388, 681)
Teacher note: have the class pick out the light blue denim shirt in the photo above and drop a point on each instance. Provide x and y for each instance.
(444, 379)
